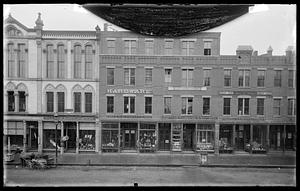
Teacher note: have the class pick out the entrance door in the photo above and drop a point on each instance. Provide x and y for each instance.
(188, 136)
(129, 132)
(164, 132)
(32, 135)
(239, 137)
(70, 131)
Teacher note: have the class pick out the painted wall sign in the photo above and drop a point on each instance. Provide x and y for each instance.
(129, 91)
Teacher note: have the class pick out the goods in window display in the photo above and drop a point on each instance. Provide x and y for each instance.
(110, 141)
(224, 146)
(176, 139)
(87, 142)
(147, 141)
(204, 146)
(255, 147)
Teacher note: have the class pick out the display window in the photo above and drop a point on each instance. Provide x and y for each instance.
(259, 138)
(225, 138)
(205, 137)
(110, 136)
(147, 139)
(87, 139)
(49, 139)
(176, 137)
(14, 141)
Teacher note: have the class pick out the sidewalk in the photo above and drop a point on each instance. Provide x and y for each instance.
(273, 160)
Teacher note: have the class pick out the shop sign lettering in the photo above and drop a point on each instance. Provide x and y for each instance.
(128, 116)
(129, 91)
(188, 117)
(63, 118)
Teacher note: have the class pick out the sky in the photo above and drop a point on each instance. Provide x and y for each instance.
(263, 26)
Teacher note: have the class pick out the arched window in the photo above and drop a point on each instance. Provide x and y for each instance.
(50, 61)
(11, 60)
(88, 62)
(60, 61)
(77, 61)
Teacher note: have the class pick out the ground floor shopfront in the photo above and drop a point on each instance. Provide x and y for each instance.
(86, 134)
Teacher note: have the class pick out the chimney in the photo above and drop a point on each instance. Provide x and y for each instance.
(289, 54)
(269, 51)
(255, 53)
(105, 26)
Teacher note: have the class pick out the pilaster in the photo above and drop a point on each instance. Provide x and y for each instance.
(40, 136)
(217, 131)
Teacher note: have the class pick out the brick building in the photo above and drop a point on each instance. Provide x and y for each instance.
(125, 92)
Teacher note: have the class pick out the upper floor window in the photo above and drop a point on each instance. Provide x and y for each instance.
(277, 78)
(110, 76)
(244, 78)
(276, 106)
(88, 62)
(226, 106)
(186, 105)
(130, 46)
(22, 101)
(188, 47)
(206, 106)
(206, 73)
(88, 102)
(168, 76)
(50, 101)
(60, 61)
(60, 101)
(148, 76)
(227, 77)
(50, 61)
(77, 61)
(77, 101)
(260, 78)
(11, 100)
(148, 105)
(207, 48)
(291, 79)
(21, 60)
(169, 47)
(11, 31)
(11, 60)
(111, 46)
(129, 76)
(291, 106)
(129, 104)
(243, 106)
(187, 77)
(260, 106)
(167, 105)
(110, 104)
(149, 47)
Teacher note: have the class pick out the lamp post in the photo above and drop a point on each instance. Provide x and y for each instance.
(56, 123)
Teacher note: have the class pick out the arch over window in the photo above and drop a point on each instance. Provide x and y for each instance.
(13, 31)
(60, 87)
(10, 86)
(49, 87)
(77, 87)
(22, 87)
(88, 88)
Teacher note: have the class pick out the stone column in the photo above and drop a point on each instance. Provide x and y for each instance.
(24, 137)
(69, 67)
(251, 137)
(40, 136)
(55, 101)
(119, 137)
(217, 131)
(156, 136)
(97, 137)
(268, 138)
(16, 94)
(284, 137)
(233, 136)
(77, 137)
(5, 102)
(61, 136)
(138, 137)
(83, 63)
(82, 102)
(26, 102)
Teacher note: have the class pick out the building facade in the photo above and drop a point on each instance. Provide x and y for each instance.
(118, 91)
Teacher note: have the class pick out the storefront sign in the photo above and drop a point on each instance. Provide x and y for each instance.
(69, 118)
(129, 116)
(189, 117)
(129, 91)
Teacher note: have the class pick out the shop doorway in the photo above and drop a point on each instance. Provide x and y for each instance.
(188, 137)
(32, 135)
(70, 131)
(242, 136)
(164, 133)
(129, 136)
(276, 138)
(290, 139)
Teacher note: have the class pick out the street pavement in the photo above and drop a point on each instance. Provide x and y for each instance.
(148, 176)
(273, 160)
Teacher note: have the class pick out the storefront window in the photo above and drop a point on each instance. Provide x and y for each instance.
(176, 138)
(49, 139)
(87, 139)
(15, 141)
(226, 134)
(110, 139)
(259, 138)
(205, 137)
(147, 139)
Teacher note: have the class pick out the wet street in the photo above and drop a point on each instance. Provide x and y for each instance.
(149, 176)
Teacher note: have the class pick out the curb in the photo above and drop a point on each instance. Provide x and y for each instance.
(176, 165)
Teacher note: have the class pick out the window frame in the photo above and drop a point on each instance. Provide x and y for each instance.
(148, 105)
(206, 106)
(226, 107)
(110, 105)
(77, 102)
(88, 105)
(49, 104)
(60, 104)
